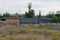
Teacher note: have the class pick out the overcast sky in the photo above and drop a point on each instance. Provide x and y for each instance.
(20, 6)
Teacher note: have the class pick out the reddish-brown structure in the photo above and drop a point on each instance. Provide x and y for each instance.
(12, 20)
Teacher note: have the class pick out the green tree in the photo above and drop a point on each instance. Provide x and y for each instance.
(30, 13)
(59, 19)
(29, 6)
(26, 14)
(0, 15)
(39, 16)
(50, 15)
(55, 19)
(7, 15)
(58, 15)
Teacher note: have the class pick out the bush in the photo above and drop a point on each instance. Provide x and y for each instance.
(55, 36)
(23, 31)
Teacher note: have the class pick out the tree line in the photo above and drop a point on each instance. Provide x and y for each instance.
(31, 14)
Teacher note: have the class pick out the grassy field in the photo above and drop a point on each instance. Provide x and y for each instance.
(31, 32)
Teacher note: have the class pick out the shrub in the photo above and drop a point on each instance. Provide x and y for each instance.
(28, 38)
(55, 36)
(23, 31)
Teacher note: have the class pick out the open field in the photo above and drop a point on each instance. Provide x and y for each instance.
(29, 32)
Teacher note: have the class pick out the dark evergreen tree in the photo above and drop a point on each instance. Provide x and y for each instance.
(30, 13)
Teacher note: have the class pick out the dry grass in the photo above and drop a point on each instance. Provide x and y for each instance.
(29, 32)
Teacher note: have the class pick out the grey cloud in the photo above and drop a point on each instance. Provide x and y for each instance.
(48, 1)
(15, 5)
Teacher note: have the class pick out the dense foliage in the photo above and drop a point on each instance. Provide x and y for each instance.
(30, 13)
